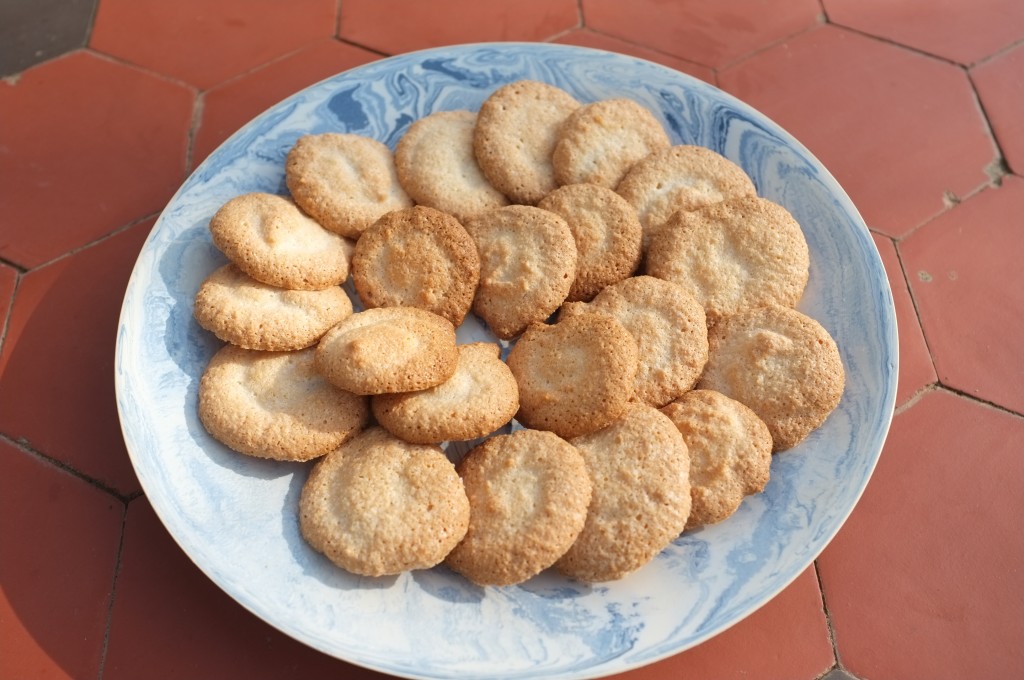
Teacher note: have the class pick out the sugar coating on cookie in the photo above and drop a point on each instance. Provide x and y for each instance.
(437, 168)
(276, 405)
(599, 142)
(515, 134)
(389, 349)
(240, 310)
(528, 497)
(417, 257)
(639, 467)
(733, 255)
(575, 376)
(527, 266)
(272, 241)
(606, 231)
(344, 181)
(682, 177)
(730, 453)
(780, 363)
(480, 397)
(378, 505)
(670, 330)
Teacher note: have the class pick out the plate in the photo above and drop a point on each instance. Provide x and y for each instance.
(235, 516)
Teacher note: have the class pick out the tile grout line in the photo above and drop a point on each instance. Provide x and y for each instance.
(198, 105)
(913, 302)
(979, 400)
(10, 308)
(893, 43)
(113, 594)
(995, 55)
(820, 22)
(632, 43)
(998, 168)
(98, 240)
(828, 619)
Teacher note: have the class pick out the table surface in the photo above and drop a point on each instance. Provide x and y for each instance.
(106, 107)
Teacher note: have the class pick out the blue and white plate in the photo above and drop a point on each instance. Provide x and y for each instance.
(236, 516)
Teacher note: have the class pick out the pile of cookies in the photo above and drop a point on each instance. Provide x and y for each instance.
(658, 359)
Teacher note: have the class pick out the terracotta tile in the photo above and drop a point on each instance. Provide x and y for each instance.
(963, 32)
(8, 281)
(227, 107)
(394, 26)
(587, 38)
(59, 539)
(170, 621)
(224, 38)
(57, 364)
(32, 32)
(964, 272)
(704, 31)
(1000, 85)
(916, 369)
(874, 114)
(97, 145)
(924, 579)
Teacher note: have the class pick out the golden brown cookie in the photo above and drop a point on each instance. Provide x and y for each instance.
(730, 453)
(528, 497)
(272, 241)
(575, 376)
(276, 405)
(780, 363)
(390, 349)
(417, 257)
(527, 265)
(639, 467)
(379, 506)
(437, 168)
(344, 181)
(515, 135)
(479, 398)
(733, 255)
(599, 142)
(606, 231)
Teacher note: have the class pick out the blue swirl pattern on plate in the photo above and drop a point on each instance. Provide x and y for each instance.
(236, 516)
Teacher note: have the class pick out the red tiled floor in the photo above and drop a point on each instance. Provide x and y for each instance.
(229, 106)
(703, 31)
(1001, 89)
(924, 580)
(59, 539)
(964, 271)
(960, 31)
(393, 26)
(204, 43)
(57, 363)
(8, 280)
(587, 38)
(96, 145)
(916, 369)
(897, 129)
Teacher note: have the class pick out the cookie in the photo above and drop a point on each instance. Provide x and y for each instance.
(528, 497)
(639, 467)
(390, 349)
(417, 257)
(599, 142)
(669, 328)
(344, 181)
(733, 255)
(527, 265)
(379, 506)
(276, 405)
(437, 168)
(780, 363)
(272, 241)
(479, 398)
(575, 376)
(515, 135)
(240, 310)
(730, 453)
(681, 177)
(606, 231)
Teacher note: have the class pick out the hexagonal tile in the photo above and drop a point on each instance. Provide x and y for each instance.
(395, 26)
(1001, 89)
(587, 38)
(225, 38)
(898, 130)
(703, 31)
(924, 579)
(964, 271)
(32, 32)
(96, 145)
